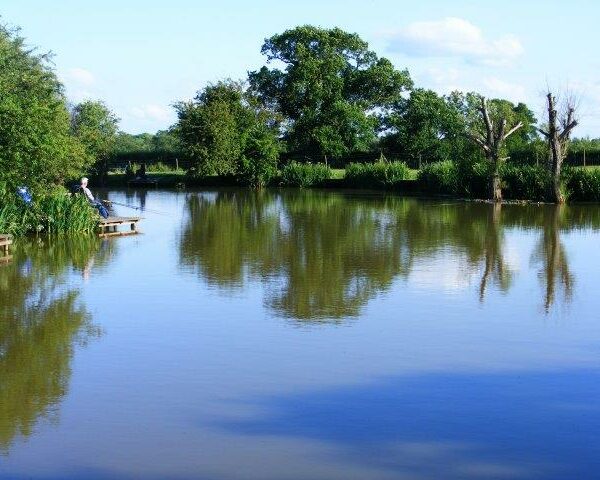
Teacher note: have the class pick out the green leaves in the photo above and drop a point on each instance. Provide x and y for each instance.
(36, 147)
(329, 90)
(224, 133)
(95, 126)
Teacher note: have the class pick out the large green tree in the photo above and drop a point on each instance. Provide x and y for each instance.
(330, 89)
(96, 128)
(422, 127)
(36, 147)
(224, 131)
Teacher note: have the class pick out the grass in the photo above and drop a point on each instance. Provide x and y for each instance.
(54, 212)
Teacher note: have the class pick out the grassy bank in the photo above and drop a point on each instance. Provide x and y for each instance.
(54, 213)
(520, 182)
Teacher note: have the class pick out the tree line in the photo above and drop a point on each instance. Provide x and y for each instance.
(322, 97)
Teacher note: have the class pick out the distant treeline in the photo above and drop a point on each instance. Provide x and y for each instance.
(322, 99)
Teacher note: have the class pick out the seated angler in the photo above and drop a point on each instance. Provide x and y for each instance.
(83, 188)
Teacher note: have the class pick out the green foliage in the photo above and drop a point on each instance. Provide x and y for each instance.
(36, 147)
(259, 160)
(463, 179)
(52, 212)
(422, 127)
(211, 128)
(215, 127)
(526, 182)
(162, 147)
(473, 179)
(95, 126)
(126, 143)
(439, 177)
(520, 182)
(467, 105)
(329, 87)
(583, 184)
(378, 174)
(304, 175)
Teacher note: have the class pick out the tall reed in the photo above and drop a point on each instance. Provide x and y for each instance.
(52, 212)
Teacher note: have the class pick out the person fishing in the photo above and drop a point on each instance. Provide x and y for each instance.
(83, 188)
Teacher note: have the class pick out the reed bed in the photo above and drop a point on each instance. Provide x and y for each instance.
(53, 212)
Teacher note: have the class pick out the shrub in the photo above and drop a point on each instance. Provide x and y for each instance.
(439, 177)
(525, 182)
(583, 184)
(379, 174)
(303, 175)
(520, 182)
(474, 179)
(260, 156)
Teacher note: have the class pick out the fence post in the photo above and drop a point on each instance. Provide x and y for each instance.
(176, 163)
(584, 156)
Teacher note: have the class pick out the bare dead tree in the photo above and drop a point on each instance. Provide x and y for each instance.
(558, 135)
(490, 140)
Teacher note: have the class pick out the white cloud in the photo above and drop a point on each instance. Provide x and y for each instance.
(499, 88)
(152, 112)
(80, 76)
(442, 80)
(456, 37)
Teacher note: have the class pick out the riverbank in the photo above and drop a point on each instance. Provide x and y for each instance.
(445, 179)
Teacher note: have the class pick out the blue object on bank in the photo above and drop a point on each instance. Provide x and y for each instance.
(25, 195)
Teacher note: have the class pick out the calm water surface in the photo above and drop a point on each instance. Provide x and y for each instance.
(306, 335)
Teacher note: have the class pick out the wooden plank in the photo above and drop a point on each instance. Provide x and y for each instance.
(119, 220)
(125, 233)
(5, 239)
(108, 226)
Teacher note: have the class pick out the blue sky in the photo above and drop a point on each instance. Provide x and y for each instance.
(141, 56)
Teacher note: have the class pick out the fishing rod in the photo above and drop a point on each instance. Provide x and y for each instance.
(141, 209)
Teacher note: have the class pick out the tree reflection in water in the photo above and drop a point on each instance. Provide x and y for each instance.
(41, 322)
(555, 273)
(324, 255)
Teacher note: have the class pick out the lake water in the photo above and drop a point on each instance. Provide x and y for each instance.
(306, 335)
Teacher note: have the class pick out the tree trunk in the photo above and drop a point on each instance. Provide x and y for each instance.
(495, 188)
(557, 195)
(558, 141)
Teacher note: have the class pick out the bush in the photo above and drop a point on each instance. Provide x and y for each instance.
(55, 212)
(439, 177)
(259, 159)
(583, 184)
(525, 182)
(519, 182)
(303, 175)
(374, 175)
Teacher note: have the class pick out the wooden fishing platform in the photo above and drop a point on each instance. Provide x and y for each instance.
(109, 227)
(5, 243)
